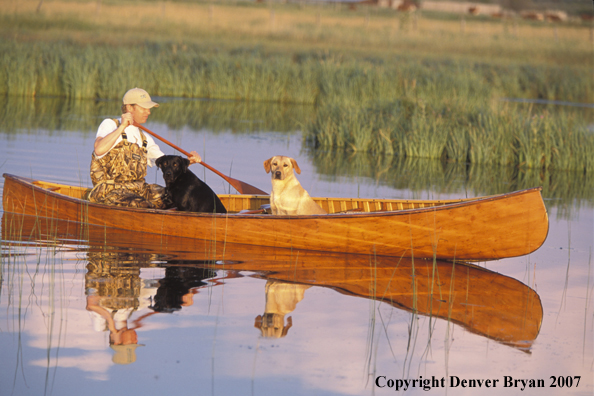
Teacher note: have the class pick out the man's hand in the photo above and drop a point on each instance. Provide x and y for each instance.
(127, 120)
(194, 158)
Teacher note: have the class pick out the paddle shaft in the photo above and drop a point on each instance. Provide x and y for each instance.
(240, 186)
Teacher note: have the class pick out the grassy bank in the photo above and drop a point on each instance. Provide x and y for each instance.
(289, 28)
(88, 72)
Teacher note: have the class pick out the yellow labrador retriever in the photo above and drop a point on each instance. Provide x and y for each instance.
(288, 197)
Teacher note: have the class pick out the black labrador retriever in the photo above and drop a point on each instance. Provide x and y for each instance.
(187, 191)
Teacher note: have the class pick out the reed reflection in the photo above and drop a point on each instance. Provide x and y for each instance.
(61, 116)
(562, 189)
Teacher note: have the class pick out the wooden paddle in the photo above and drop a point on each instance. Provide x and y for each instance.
(240, 186)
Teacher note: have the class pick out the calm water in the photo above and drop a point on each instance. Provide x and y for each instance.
(283, 322)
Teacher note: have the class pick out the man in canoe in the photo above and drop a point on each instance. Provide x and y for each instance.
(121, 155)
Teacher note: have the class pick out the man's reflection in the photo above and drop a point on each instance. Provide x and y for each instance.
(113, 288)
(115, 291)
(281, 299)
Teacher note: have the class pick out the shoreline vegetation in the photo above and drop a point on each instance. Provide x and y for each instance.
(381, 82)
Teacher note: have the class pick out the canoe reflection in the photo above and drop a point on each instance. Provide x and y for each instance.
(482, 301)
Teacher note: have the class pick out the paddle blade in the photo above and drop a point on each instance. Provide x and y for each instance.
(244, 188)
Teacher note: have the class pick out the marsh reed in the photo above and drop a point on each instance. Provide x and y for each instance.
(500, 136)
(313, 77)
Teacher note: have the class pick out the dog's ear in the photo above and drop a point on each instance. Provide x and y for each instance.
(295, 166)
(287, 327)
(267, 164)
(185, 164)
(158, 161)
(258, 322)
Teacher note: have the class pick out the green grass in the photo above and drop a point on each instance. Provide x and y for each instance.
(75, 71)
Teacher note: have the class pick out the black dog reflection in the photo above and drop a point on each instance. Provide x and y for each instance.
(177, 288)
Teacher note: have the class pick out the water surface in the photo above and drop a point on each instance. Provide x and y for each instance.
(261, 322)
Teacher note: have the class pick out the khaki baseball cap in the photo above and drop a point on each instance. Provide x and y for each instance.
(139, 97)
(124, 354)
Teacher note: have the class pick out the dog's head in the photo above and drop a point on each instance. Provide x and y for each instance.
(272, 325)
(172, 166)
(281, 167)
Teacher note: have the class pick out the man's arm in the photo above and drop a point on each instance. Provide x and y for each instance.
(104, 144)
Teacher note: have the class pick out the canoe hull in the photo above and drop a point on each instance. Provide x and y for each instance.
(490, 228)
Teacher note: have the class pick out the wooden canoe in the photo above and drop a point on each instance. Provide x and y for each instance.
(484, 302)
(477, 229)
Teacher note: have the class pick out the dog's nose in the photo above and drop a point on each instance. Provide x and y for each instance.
(277, 174)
